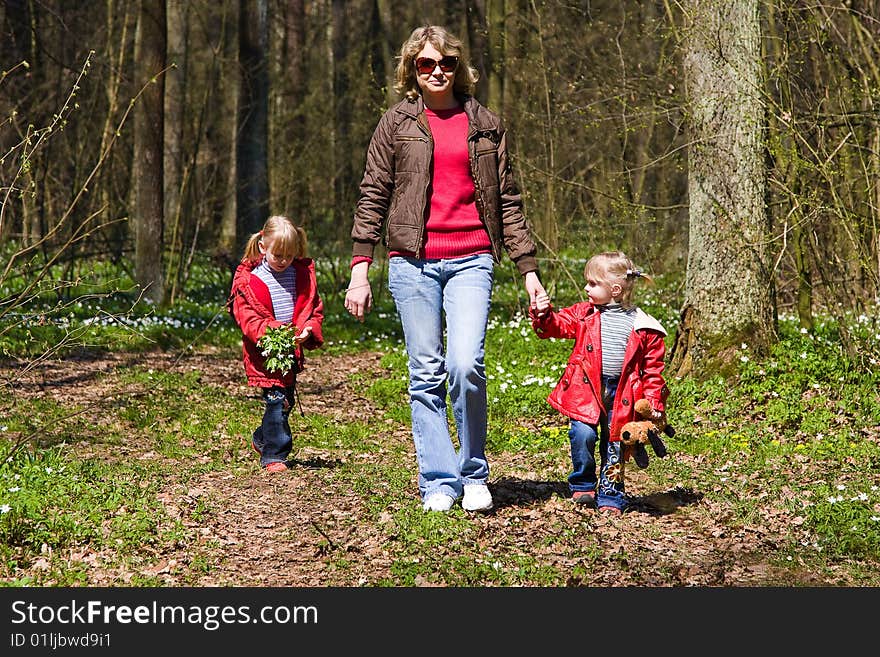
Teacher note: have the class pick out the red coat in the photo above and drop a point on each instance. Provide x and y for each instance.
(253, 318)
(578, 393)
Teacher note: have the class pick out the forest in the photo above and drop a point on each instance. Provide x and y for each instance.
(730, 147)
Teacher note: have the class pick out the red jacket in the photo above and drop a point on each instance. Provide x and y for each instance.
(253, 317)
(578, 394)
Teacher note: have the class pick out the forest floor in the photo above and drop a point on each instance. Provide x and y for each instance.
(309, 527)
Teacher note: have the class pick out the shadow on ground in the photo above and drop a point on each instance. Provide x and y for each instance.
(512, 491)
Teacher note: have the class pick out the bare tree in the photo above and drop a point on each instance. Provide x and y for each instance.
(729, 284)
(252, 151)
(149, 119)
(175, 113)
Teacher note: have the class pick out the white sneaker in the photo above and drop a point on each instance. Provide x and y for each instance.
(476, 497)
(438, 502)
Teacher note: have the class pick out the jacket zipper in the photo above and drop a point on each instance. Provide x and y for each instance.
(429, 139)
(481, 204)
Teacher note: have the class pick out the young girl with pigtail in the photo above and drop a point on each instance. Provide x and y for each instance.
(275, 286)
(617, 359)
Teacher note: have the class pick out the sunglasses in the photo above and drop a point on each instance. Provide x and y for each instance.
(426, 65)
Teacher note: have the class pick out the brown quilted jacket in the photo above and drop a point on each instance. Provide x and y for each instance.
(393, 191)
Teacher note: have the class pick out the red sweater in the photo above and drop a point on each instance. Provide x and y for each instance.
(454, 228)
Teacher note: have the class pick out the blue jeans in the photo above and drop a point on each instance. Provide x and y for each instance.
(273, 437)
(459, 291)
(609, 486)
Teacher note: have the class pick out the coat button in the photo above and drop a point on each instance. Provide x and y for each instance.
(586, 379)
(625, 402)
(589, 347)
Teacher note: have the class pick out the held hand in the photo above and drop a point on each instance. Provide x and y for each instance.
(542, 303)
(359, 299)
(533, 287)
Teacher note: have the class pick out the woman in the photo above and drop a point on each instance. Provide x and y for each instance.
(438, 181)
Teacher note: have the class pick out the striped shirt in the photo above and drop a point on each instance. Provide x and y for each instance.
(616, 324)
(282, 289)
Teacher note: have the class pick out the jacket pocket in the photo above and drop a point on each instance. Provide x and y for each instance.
(569, 375)
(410, 152)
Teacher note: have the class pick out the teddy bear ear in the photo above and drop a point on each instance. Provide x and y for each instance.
(657, 444)
(642, 407)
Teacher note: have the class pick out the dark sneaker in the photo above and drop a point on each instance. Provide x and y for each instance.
(585, 498)
(257, 441)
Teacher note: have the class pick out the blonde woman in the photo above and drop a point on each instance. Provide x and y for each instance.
(439, 190)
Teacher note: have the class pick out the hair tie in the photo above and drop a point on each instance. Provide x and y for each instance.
(633, 272)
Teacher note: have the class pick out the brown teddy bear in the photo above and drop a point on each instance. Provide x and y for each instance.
(638, 433)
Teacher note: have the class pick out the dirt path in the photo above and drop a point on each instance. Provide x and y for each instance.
(295, 529)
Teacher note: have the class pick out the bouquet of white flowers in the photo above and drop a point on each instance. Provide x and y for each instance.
(279, 347)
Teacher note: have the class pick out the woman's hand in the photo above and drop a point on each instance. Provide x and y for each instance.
(359, 296)
(534, 288)
(542, 303)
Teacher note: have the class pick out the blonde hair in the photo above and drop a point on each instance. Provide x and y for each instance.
(286, 239)
(405, 80)
(612, 267)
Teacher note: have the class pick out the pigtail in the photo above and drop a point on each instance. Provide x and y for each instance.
(252, 248)
(638, 273)
(302, 242)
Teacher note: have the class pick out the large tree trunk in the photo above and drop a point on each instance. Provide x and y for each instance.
(289, 133)
(148, 148)
(118, 20)
(343, 173)
(729, 283)
(389, 48)
(175, 111)
(252, 153)
(497, 26)
(478, 38)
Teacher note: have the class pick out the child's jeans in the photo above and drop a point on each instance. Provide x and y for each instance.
(583, 437)
(273, 438)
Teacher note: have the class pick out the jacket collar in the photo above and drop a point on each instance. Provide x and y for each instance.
(645, 321)
(478, 117)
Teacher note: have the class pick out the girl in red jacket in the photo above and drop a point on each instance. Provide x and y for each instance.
(275, 285)
(618, 358)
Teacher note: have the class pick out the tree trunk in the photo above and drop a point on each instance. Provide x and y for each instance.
(729, 283)
(175, 112)
(252, 152)
(388, 47)
(478, 38)
(291, 130)
(118, 21)
(495, 67)
(342, 173)
(148, 148)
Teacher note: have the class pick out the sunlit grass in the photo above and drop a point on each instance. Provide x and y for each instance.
(801, 426)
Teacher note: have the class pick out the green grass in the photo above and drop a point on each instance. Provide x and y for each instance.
(800, 427)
